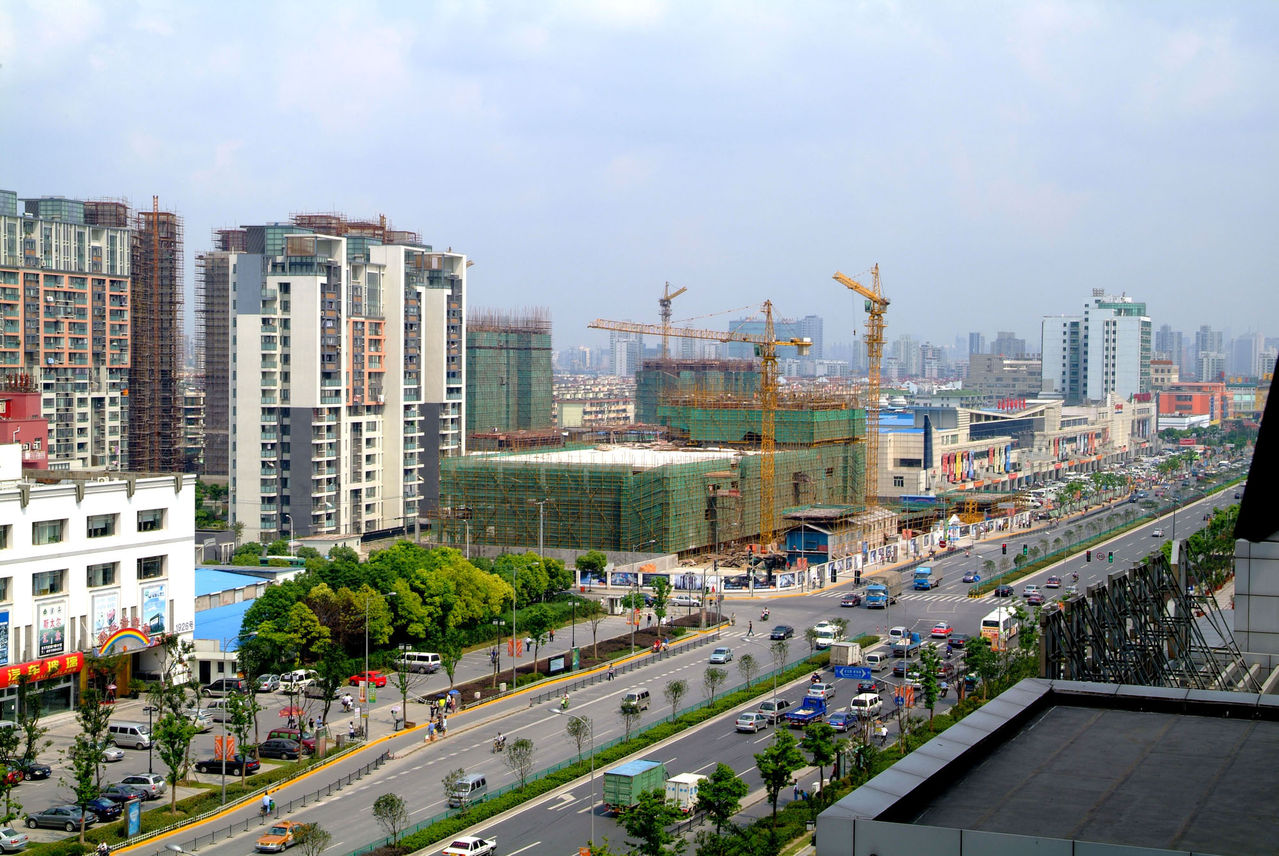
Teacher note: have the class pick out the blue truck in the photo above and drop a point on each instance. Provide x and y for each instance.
(907, 645)
(880, 595)
(811, 710)
(926, 578)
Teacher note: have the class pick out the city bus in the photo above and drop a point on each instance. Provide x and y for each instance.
(999, 628)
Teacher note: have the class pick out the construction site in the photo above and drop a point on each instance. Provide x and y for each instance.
(508, 372)
(738, 456)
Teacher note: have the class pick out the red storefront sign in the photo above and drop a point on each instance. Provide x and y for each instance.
(39, 670)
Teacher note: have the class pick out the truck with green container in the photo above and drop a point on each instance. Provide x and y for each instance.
(624, 784)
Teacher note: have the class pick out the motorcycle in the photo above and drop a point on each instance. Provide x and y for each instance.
(763, 616)
(499, 744)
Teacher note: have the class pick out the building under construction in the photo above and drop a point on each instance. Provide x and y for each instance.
(661, 379)
(508, 372)
(688, 498)
(155, 427)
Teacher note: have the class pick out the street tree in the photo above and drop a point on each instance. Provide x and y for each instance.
(312, 839)
(449, 647)
(861, 758)
(712, 680)
(592, 561)
(777, 764)
(392, 814)
(536, 622)
(819, 743)
(519, 759)
(9, 739)
(929, 666)
(647, 821)
(241, 717)
(675, 691)
(30, 708)
(630, 714)
(661, 597)
(810, 636)
(451, 780)
(579, 730)
(780, 651)
(405, 681)
(983, 662)
(172, 737)
(841, 626)
(596, 618)
(720, 796)
(749, 667)
(334, 669)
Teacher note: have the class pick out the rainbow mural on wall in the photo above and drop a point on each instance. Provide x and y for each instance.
(124, 639)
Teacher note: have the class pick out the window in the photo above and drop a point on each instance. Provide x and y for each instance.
(4, 536)
(102, 525)
(104, 574)
(899, 481)
(150, 567)
(151, 521)
(47, 582)
(47, 531)
(4, 589)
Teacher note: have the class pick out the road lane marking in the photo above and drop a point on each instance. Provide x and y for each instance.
(522, 849)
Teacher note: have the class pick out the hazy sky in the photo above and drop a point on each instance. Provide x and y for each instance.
(998, 160)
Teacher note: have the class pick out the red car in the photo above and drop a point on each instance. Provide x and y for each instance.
(376, 678)
(941, 630)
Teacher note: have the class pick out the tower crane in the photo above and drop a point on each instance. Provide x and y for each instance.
(766, 349)
(664, 310)
(876, 303)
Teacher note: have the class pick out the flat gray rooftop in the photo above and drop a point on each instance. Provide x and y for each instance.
(1170, 780)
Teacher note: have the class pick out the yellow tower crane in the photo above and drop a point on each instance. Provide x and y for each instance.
(876, 303)
(766, 349)
(664, 312)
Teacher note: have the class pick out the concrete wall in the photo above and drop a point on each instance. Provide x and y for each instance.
(1257, 596)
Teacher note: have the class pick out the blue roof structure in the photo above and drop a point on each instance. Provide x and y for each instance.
(213, 580)
(222, 623)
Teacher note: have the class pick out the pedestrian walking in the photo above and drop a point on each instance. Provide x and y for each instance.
(795, 792)
(552, 632)
(350, 730)
(444, 725)
(750, 628)
(611, 671)
(395, 719)
(430, 731)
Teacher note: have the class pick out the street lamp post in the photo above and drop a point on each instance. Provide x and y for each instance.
(364, 684)
(291, 547)
(635, 595)
(150, 709)
(591, 730)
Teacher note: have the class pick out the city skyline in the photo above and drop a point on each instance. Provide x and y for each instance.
(996, 168)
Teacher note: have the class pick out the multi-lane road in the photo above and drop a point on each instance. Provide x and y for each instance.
(561, 822)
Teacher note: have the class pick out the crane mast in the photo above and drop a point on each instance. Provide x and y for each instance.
(876, 304)
(664, 312)
(766, 348)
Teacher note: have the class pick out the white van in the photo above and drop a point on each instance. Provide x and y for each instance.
(636, 699)
(215, 709)
(296, 682)
(876, 661)
(422, 662)
(133, 735)
(470, 789)
(866, 705)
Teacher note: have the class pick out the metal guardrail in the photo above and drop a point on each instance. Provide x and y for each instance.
(676, 646)
(239, 826)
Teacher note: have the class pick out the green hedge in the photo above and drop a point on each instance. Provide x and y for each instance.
(491, 808)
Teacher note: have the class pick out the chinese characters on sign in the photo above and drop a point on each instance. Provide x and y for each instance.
(39, 670)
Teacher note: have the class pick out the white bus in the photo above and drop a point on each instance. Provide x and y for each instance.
(999, 628)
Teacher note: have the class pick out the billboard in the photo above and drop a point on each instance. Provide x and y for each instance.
(4, 638)
(106, 610)
(51, 624)
(154, 608)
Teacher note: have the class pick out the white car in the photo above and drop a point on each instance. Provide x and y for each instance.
(1158, 533)
(825, 628)
(471, 845)
(1029, 590)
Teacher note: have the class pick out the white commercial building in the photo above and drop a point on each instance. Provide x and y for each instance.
(334, 374)
(90, 564)
(1105, 351)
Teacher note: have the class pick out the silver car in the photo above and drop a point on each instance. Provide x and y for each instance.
(268, 683)
(751, 721)
(721, 655)
(11, 840)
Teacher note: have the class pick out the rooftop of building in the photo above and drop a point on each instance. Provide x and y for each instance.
(635, 457)
(214, 580)
(823, 512)
(1186, 770)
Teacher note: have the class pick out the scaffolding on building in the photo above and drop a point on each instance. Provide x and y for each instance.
(155, 431)
(508, 371)
(1143, 626)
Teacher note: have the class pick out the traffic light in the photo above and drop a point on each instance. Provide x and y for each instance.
(1088, 556)
(1110, 557)
(1025, 549)
(1004, 549)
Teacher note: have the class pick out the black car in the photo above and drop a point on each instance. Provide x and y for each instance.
(231, 766)
(123, 793)
(958, 640)
(1003, 591)
(899, 668)
(782, 631)
(871, 685)
(103, 809)
(34, 769)
(289, 750)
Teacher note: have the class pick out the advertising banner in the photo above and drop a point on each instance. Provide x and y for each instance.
(51, 624)
(4, 638)
(106, 609)
(154, 608)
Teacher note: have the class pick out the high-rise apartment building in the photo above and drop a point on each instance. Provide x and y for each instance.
(65, 316)
(976, 343)
(1106, 350)
(1210, 354)
(334, 373)
(1008, 345)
